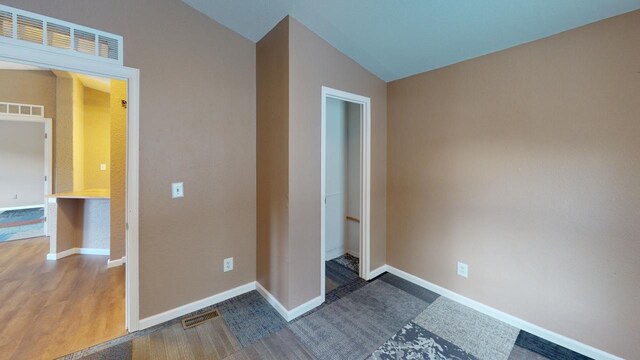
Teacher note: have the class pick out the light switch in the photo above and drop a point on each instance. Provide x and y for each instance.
(177, 190)
(103, 167)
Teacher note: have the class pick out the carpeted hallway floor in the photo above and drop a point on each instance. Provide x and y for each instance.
(387, 318)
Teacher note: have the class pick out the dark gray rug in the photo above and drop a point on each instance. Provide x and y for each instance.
(413, 289)
(356, 325)
(250, 317)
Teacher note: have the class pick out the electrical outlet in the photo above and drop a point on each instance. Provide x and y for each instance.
(463, 269)
(177, 190)
(103, 167)
(228, 264)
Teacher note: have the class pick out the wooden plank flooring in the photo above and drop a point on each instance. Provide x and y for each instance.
(52, 308)
(211, 340)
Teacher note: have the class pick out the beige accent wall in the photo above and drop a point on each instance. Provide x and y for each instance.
(314, 63)
(272, 161)
(118, 171)
(525, 165)
(97, 134)
(197, 125)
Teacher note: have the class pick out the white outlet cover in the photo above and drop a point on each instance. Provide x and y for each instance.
(103, 167)
(463, 269)
(177, 190)
(228, 264)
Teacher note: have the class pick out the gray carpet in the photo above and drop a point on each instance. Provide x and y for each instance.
(279, 346)
(482, 336)
(356, 325)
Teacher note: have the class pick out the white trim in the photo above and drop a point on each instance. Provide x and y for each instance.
(506, 318)
(22, 207)
(12, 52)
(365, 179)
(195, 306)
(62, 254)
(80, 251)
(20, 107)
(273, 301)
(70, 52)
(379, 271)
(116, 262)
(288, 315)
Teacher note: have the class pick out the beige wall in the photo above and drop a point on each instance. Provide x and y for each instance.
(97, 128)
(30, 87)
(63, 134)
(293, 64)
(198, 126)
(525, 165)
(118, 168)
(272, 165)
(314, 63)
(27, 87)
(78, 134)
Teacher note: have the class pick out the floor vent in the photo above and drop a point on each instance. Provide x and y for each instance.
(195, 320)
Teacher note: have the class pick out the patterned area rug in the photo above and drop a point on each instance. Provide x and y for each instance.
(349, 261)
(21, 224)
(415, 342)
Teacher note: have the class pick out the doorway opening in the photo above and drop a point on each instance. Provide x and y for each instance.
(345, 188)
(71, 166)
(25, 148)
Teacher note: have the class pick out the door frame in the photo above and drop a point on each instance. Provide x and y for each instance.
(48, 158)
(365, 180)
(52, 60)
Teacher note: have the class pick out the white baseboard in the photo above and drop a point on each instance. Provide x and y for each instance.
(116, 262)
(21, 207)
(332, 254)
(74, 251)
(194, 306)
(377, 272)
(353, 253)
(288, 315)
(504, 317)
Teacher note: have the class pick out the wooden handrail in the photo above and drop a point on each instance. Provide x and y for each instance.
(353, 218)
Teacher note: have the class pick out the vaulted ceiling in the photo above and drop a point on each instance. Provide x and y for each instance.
(398, 38)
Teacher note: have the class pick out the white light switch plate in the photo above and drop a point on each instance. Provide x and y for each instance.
(177, 190)
(228, 264)
(463, 269)
(103, 167)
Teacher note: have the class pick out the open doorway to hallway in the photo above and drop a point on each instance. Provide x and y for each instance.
(66, 291)
(345, 189)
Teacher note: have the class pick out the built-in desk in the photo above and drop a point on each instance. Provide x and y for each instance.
(79, 223)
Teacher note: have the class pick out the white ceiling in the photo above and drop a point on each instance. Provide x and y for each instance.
(396, 39)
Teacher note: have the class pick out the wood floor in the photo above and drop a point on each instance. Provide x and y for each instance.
(52, 308)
